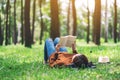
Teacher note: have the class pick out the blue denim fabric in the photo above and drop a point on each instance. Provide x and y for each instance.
(56, 41)
(49, 47)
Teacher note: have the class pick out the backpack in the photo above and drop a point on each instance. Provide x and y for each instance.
(60, 59)
(67, 59)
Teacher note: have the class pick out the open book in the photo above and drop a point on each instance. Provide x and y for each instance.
(67, 40)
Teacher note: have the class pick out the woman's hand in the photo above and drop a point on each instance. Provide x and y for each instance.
(74, 48)
(57, 47)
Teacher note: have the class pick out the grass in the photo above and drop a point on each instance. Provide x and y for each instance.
(20, 63)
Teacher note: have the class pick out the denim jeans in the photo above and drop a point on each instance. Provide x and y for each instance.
(49, 47)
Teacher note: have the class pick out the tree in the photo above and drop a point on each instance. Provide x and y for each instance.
(97, 22)
(41, 21)
(7, 24)
(10, 20)
(33, 21)
(74, 18)
(115, 22)
(88, 18)
(68, 19)
(28, 40)
(2, 22)
(55, 26)
(15, 29)
(106, 23)
(22, 24)
(1, 31)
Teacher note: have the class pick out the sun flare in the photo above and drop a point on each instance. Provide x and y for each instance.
(85, 3)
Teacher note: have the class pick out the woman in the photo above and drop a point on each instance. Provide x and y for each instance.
(58, 56)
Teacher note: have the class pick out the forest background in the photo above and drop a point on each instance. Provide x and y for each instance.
(32, 21)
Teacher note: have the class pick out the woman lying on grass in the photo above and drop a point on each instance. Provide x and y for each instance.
(55, 55)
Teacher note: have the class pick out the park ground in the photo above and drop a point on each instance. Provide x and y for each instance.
(20, 63)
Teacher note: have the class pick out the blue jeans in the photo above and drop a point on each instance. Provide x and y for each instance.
(49, 47)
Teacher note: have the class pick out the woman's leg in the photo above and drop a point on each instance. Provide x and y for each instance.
(48, 49)
(62, 49)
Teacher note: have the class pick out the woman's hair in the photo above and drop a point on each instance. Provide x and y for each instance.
(80, 60)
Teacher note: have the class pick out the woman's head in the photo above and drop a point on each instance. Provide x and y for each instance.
(80, 60)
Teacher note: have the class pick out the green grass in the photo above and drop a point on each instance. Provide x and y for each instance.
(20, 63)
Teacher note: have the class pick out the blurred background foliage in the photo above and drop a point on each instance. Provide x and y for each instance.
(81, 6)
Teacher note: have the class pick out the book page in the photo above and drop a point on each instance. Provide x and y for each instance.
(70, 40)
(63, 41)
(67, 41)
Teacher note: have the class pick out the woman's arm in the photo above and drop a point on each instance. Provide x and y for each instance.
(74, 49)
(57, 48)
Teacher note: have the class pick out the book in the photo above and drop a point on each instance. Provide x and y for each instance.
(67, 41)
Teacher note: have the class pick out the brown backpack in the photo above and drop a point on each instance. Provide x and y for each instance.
(65, 59)
(60, 59)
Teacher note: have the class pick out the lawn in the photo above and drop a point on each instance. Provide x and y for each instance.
(20, 63)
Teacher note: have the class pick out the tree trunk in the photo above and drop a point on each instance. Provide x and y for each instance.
(22, 24)
(115, 22)
(88, 27)
(106, 23)
(97, 22)
(68, 19)
(1, 31)
(41, 22)
(7, 25)
(33, 21)
(15, 29)
(55, 26)
(74, 18)
(28, 40)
